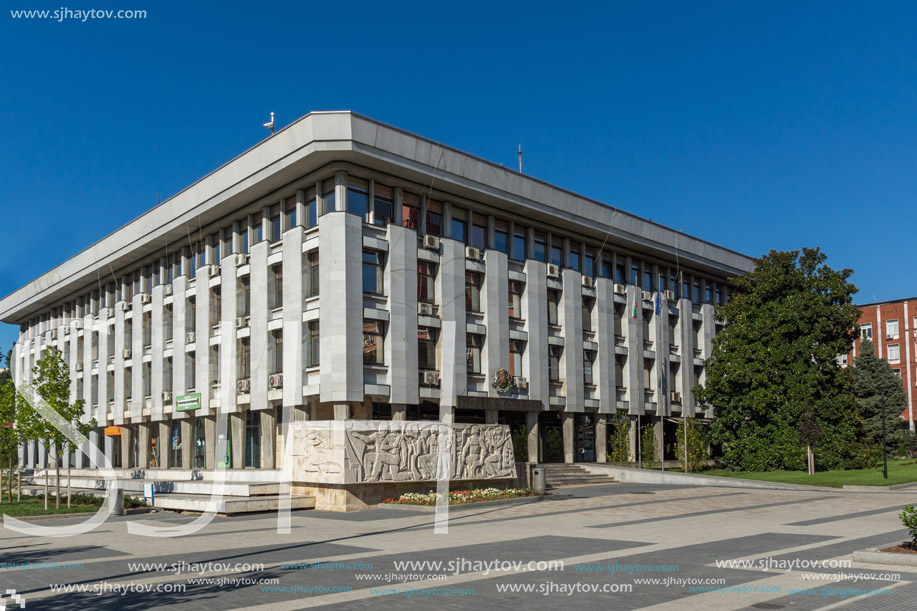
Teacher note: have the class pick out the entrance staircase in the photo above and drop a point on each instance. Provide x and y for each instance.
(244, 491)
(560, 475)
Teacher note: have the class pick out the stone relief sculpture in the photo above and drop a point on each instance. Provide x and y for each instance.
(372, 451)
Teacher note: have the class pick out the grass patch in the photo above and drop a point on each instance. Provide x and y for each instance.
(900, 471)
(35, 506)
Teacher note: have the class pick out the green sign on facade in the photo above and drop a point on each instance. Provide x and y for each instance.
(187, 403)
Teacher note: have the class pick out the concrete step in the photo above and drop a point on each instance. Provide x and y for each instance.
(162, 486)
(230, 475)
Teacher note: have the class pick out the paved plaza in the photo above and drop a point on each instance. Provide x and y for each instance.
(623, 546)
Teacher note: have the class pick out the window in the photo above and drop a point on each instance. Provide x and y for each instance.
(434, 224)
(426, 348)
(328, 196)
(357, 197)
(372, 342)
(245, 358)
(290, 212)
(501, 236)
(575, 255)
(426, 282)
(696, 291)
(191, 371)
(661, 282)
(410, 211)
(276, 351)
(588, 362)
(541, 247)
(620, 275)
(554, 354)
(244, 303)
(587, 313)
(673, 282)
(620, 362)
(372, 272)
(253, 439)
(553, 304)
(515, 299)
(215, 301)
(472, 292)
(866, 330)
(311, 209)
(459, 225)
(257, 236)
(473, 352)
(383, 204)
(311, 341)
(647, 280)
(842, 360)
(479, 231)
(891, 328)
(647, 374)
(557, 252)
(897, 373)
(635, 275)
(516, 348)
(275, 223)
(277, 287)
(245, 242)
(589, 264)
(708, 297)
(894, 353)
(519, 243)
(311, 270)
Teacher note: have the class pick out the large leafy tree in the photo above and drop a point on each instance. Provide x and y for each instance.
(774, 383)
(9, 439)
(872, 378)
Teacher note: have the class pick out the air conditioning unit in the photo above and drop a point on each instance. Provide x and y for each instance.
(553, 271)
(213, 270)
(66, 330)
(472, 253)
(106, 313)
(520, 382)
(891, 336)
(126, 353)
(240, 322)
(190, 337)
(244, 386)
(79, 366)
(78, 324)
(144, 298)
(431, 242)
(276, 380)
(431, 378)
(588, 282)
(647, 296)
(166, 396)
(167, 290)
(215, 385)
(53, 335)
(240, 259)
(676, 397)
(669, 295)
(124, 306)
(426, 309)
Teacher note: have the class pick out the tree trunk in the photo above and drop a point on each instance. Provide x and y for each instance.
(811, 460)
(57, 476)
(68, 487)
(46, 487)
(18, 485)
(10, 484)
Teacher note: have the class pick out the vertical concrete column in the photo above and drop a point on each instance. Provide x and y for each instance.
(164, 443)
(127, 457)
(686, 337)
(601, 438)
(491, 416)
(259, 320)
(341, 325)
(400, 279)
(202, 349)
(531, 429)
(301, 413)
(136, 348)
(494, 300)
(210, 441)
(571, 318)
(399, 411)
(143, 445)
(179, 332)
(89, 325)
(633, 440)
(228, 342)
(534, 305)
(341, 411)
(42, 455)
(293, 302)
(187, 442)
(119, 392)
(660, 332)
(708, 330)
(237, 434)
(603, 374)
(105, 330)
(268, 438)
(450, 292)
(157, 349)
(569, 420)
(633, 334)
(659, 434)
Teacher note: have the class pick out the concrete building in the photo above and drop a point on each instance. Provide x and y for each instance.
(891, 326)
(343, 269)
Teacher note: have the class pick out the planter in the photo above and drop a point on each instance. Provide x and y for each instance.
(876, 556)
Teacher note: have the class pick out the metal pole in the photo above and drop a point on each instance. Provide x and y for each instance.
(884, 454)
(685, 419)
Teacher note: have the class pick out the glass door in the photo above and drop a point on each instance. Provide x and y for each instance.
(253, 439)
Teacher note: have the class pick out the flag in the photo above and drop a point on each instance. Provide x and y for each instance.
(658, 303)
(635, 307)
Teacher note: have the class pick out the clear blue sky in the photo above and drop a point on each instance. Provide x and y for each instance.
(756, 125)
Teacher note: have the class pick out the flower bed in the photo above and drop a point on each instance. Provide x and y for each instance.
(462, 497)
(908, 547)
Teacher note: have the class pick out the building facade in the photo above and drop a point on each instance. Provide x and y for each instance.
(891, 326)
(344, 269)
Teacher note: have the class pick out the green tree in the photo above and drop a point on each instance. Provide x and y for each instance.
(9, 439)
(648, 451)
(620, 442)
(873, 377)
(691, 448)
(51, 380)
(775, 362)
(5, 374)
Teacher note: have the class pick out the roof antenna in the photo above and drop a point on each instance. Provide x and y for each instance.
(270, 125)
(520, 158)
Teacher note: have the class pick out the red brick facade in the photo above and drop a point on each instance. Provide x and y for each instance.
(877, 322)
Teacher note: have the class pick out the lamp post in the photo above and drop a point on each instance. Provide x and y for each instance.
(884, 454)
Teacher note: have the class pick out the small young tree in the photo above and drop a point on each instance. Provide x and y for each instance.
(691, 446)
(52, 382)
(648, 451)
(8, 437)
(620, 442)
(873, 377)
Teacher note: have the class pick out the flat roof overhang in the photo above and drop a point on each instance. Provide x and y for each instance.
(320, 138)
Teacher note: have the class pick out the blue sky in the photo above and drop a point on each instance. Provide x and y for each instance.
(754, 125)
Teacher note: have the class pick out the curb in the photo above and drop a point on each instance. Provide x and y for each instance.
(516, 501)
(874, 556)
